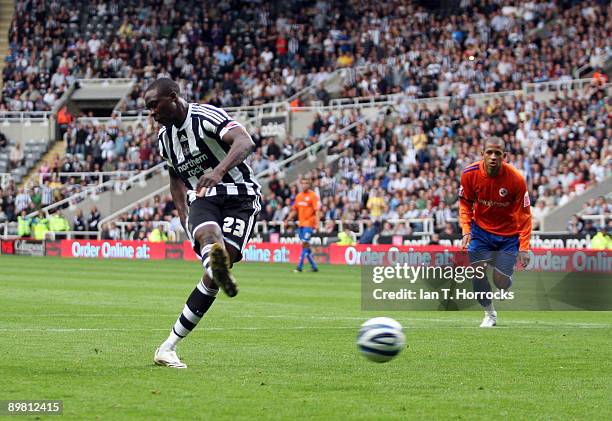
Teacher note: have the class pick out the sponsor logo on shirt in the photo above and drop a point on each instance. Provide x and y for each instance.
(493, 203)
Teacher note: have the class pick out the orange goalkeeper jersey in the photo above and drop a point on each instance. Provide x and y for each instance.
(499, 205)
(306, 204)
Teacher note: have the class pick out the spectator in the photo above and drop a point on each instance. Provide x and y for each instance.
(16, 156)
(538, 213)
(376, 204)
(346, 237)
(24, 224)
(57, 223)
(78, 222)
(575, 225)
(93, 219)
(40, 226)
(158, 234)
(22, 201)
(601, 241)
(371, 230)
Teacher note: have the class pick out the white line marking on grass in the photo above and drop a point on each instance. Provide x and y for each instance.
(432, 319)
(111, 329)
(517, 323)
(255, 328)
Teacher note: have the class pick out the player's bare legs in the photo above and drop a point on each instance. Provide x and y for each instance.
(216, 262)
(215, 259)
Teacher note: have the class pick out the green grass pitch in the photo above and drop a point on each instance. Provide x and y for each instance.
(85, 331)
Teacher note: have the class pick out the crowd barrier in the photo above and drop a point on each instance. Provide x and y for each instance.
(542, 259)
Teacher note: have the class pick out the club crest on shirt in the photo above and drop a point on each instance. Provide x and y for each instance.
(185, 147)
(503, 192)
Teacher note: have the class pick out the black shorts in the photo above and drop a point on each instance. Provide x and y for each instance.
(235, 215)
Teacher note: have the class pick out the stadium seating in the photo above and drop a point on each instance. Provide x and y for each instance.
(561, 146)
(414, 155)
(280, 50)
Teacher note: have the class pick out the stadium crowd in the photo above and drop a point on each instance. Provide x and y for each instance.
(403, 166)
(282, 47)
(407, 165)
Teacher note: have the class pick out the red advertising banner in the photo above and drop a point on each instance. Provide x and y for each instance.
(259, 252)
(555, 260)
(385, 254)
(53, 248)
(100, 249)
(7, 247)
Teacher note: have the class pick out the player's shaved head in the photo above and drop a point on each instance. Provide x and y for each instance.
(163, 102)
(493, 155)
(164, 86)
(495, 141)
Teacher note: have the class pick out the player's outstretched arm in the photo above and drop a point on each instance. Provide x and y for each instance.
(241, 145)
(179, 196)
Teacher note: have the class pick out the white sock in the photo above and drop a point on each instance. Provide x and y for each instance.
(171, 342)
(490, 309)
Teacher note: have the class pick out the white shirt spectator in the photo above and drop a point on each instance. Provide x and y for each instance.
(267, 56)
(93, 45)
(49, 98)
(58, 79)
(22, 201)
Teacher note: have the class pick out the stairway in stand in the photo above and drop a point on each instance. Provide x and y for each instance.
(7, 10)
(32, 178)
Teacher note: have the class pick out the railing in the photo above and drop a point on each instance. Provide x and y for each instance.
(253, 113)
(25, 117)
(121, 211)
(119, 185)
(366, 100)
(281, 227)
(105, 82)
(500, 94)
(311, 88)
(349, 73)
(395, 99)
(601, 219)
(269, 108)
(70, 235)
(89, 175)
(6, 228)
(172, 236)
(314, 147)
(558, 85)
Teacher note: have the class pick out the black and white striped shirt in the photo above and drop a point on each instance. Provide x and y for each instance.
(196, 148)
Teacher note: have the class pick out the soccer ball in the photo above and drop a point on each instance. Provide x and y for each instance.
(380, 339)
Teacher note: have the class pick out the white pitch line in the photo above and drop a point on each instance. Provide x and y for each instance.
(219, 329)
(365, 317)
(448, 321)
(110, 329)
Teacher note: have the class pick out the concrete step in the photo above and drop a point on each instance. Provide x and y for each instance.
(58, 148)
